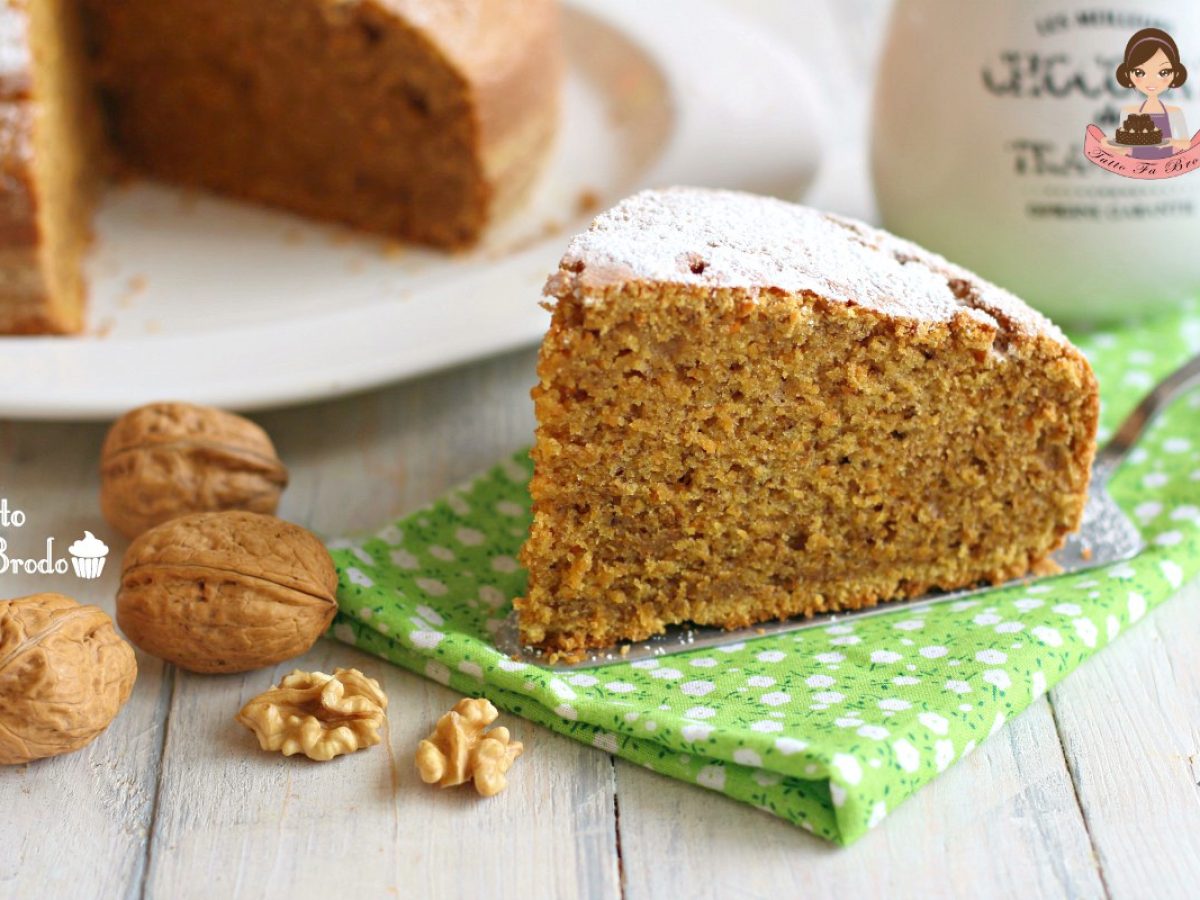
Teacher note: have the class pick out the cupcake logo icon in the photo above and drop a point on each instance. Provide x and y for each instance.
(88, 555)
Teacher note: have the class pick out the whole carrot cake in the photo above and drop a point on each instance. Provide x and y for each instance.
(419, 119)
(750, 410)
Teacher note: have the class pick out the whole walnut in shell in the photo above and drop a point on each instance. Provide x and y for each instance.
(169, 459)
(226, 591)
(64, 675)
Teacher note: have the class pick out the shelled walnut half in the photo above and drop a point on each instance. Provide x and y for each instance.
(460, 750)
(319, 715)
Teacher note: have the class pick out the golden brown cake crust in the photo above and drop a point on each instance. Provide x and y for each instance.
(45, 187)
(510, 54)
(24, 302)
(750, 410)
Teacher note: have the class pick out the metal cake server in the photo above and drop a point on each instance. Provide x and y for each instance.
(1106, 536)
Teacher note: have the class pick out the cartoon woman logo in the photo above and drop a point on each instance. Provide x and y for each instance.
(1153, 140)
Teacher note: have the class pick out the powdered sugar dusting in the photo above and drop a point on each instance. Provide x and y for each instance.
(15, 59)
(727, 239)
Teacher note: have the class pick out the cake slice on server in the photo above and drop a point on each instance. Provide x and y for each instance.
(751, 410)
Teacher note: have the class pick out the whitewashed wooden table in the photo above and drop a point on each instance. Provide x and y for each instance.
(1093, 792)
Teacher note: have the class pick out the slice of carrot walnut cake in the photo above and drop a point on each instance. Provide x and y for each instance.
(750, 410)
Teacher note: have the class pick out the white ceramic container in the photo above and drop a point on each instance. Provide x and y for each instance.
(980, 115)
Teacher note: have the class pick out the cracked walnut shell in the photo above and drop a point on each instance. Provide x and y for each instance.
(65, 673)
(460, 750)
(226, 591)
(166, 460)
(319, 715)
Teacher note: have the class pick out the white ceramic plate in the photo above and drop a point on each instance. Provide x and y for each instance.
(196, 298)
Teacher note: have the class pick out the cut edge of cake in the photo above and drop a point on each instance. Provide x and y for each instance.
(50, 166)
(747, 259)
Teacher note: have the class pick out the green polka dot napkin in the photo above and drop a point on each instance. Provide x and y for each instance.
(829, 728)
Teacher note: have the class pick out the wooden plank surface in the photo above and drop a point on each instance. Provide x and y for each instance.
(365, 825)
(1130, 727)
(1004, 822)
(81, 819)
(234, 821)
